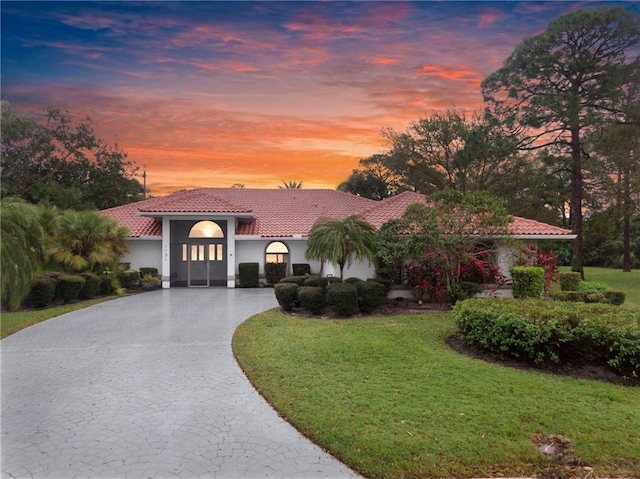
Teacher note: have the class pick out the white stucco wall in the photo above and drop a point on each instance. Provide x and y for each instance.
(253, 251)
(144, 253)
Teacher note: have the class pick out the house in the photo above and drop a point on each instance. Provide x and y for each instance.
(197, 238)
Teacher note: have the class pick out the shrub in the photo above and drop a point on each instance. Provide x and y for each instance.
(301, 269)
(91, 286)
(274, 272)
(68, 287)
(311, 281)
(148, 270)
(471, 289)
(312, 298)
(371, 295)
(42, 291)
(105, 284)
(353, 280)
(589, 287)
(547, 260)
(570, 281)
(299, 280)
(323, 282)
(595, 298)
(573, 296)
(342, 298)
(615, 297)
(541, 331)
(128, 278)
(249, 275)
(286, 295)
(528, 281)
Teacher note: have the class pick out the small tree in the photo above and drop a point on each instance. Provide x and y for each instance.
(339, 241)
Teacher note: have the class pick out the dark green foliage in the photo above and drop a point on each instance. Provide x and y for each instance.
(590, 287)
(353, 280)
(327, 281)
(301, 269)
(146, 271)
(371, 295)
(286, 295)
(615, 297)
(384, 281)
(91, 286)
(299, 280)
(68, 287)
(274, 272)
(528, 281)
(542, 331)
(105, 284)
(249, 275)
(573, 296)
(342, 298)
(42, 291)
(471, 289)
(595, 298)
(129, 278)
(312, 281)
(312, 298)
(570, 281)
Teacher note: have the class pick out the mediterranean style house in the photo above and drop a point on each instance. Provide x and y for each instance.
(197, 238)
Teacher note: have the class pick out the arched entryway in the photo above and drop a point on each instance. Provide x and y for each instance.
(203, 255)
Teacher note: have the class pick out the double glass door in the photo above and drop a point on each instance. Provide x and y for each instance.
(202, 260)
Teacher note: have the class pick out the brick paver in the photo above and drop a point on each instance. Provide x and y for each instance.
(146, 387)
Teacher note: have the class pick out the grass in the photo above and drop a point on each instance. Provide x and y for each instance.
(390, 399)
(14, 321)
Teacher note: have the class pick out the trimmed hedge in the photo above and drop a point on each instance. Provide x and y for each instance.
(68, 287)
(249, 275)
(286, 295)
(342, 298)
(542, 331)
(129, 278)
(91, 286)
(299, 280)
(274, 272)
(528, 281)
(569, 281)
(301, 269)
(616, 298)
(42, 291)
(148, 270)
(106, 284)
(312, 298)
(371, 295)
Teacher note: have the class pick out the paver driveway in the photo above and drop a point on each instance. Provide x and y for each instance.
(146, 386)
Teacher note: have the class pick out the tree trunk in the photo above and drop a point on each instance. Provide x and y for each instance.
(576, 201)
(626, 243)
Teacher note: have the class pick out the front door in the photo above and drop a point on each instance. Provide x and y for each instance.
(203, 259)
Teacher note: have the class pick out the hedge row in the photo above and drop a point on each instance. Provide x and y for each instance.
(573, 289)
(544, 331)
(344, 299)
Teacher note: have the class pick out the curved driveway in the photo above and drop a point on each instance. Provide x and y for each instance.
(146, 387)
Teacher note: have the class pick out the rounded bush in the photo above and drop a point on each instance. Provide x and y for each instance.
(68, 287)
(274, 272)
(42, 291)
(299, 280)
(286, 295)
(342, 298)
(595, 298)
(615, 297)
(569, 281)
(353, 280)
(106, 282)
(91, 286)
(312, 298)
(371, 295)
(129, 278)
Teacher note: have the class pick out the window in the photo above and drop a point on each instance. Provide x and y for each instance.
(277, 252)
(206, 229)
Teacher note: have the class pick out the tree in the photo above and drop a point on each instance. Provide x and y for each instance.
(560, 84)
(444, 232)
(339, 241)
(86, 241)
(21, 244)
(291, 185)
(49, 157)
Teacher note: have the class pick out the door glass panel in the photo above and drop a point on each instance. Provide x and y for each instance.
(201, 252)
(194, 252)
(219, 255)
(212, 252)
(184, 252)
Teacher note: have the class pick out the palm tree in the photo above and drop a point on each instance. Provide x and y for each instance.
(291, 185)
(339, 241)
(87, 241)
(21, 244)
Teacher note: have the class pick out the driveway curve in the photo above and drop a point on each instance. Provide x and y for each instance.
(146, 387)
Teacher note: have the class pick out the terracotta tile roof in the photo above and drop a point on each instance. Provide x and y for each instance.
(281, 212)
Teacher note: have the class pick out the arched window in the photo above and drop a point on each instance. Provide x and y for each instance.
(277, 252)
(206, 229)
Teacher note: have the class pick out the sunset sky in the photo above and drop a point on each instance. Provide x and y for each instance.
(215, 93)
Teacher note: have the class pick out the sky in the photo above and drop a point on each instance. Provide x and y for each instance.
(211, 94)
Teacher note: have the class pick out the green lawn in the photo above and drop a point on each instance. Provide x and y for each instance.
(389, 398)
